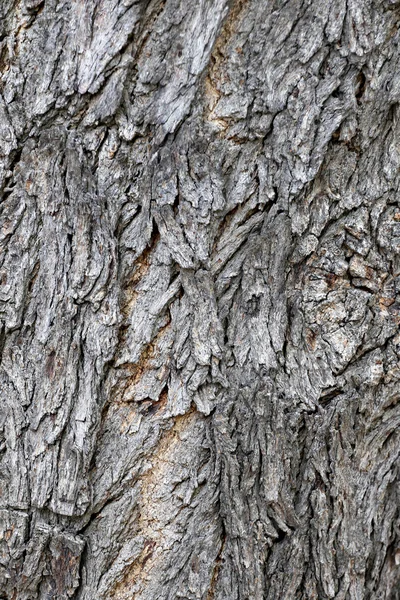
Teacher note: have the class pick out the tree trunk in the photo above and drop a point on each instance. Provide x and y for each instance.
(199, 300)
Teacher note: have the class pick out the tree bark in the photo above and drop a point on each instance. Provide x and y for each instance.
(199, 300)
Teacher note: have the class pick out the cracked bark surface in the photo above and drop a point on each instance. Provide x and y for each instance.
(199, 300)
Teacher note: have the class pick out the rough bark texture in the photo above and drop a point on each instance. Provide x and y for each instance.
(199, 300)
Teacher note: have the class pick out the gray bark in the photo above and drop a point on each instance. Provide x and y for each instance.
(199, 300)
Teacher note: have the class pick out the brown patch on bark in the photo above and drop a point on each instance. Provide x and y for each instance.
(311, 339)
(213, 95)
(4, 60)
(8, 533)
(140, 268)
(361, 83)
(150, 524)
(150, 407)
(331, 280)
(50, 364)
(63, 564)
(385, 302)
(227, 31)
(215, 78)
(216, 571)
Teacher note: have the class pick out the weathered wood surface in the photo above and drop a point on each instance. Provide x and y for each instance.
(199, 300)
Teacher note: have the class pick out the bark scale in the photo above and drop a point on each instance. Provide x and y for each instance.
(199, 300)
